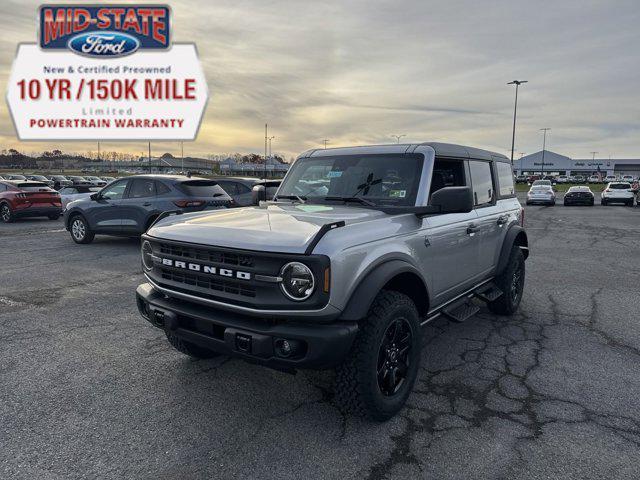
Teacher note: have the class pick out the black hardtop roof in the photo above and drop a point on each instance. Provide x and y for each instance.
(450, 150)
(462, 151)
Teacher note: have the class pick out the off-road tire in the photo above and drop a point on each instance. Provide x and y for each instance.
(80, 234)
(508, 302)
(357, 390)
(188, 348)
(6, 215)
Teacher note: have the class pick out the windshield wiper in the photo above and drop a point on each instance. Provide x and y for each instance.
(364, 201)
(302, 199)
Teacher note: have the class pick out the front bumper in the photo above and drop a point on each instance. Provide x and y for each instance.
(321, 346)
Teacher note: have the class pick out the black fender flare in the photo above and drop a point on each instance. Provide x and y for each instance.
(69, 215)
(364, 294)
(516, 235)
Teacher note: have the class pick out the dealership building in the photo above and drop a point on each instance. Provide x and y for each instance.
(555, 164)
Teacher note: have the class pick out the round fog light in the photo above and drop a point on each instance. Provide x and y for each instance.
(286, 348)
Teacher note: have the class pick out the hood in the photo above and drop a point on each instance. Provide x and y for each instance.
(274, 228)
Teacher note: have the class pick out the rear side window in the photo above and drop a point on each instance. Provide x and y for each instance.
(201, 188)
(161, 188)
(142, 188)
(482, 182)
(505, 179)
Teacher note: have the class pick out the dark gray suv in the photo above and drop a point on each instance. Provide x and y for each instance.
(128, 206)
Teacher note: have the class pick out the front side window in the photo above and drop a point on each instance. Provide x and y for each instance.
(380, 179)
(447, 173)
(482, 182)
(229, 187)
(115, 191)
(505, 179)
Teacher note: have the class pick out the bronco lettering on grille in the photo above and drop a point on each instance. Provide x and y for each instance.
(196, 267)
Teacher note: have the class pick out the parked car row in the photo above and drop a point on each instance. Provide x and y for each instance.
(59, 181)
(139, 200)
(542, 192)
(579, 179)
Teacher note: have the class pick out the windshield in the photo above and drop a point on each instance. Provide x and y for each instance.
(538, 183)
(620, 186)
(379, 179)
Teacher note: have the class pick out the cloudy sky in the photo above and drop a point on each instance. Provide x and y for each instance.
(356, 72)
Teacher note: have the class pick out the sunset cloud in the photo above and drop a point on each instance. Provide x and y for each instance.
(356, 72)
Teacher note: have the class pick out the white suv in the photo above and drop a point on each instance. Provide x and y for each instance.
(617, 192)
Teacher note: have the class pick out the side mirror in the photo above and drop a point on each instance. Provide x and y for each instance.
(453, 199)
(258, 194)
(94, 196)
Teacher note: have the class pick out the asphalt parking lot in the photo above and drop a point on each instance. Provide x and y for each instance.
(90, 390)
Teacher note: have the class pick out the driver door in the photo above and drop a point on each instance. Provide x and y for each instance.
(451, 244)
(104, 214)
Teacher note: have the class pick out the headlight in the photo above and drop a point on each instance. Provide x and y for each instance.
(147, 256)
(297, 281)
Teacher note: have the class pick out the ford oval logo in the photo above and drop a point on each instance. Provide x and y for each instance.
(104, 44)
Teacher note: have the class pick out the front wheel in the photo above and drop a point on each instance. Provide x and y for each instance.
(378, 375)
(5, 213)
(511, 282)
(80, 232)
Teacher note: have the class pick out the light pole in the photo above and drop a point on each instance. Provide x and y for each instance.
(325, 141)
(544, 145)
(270, 138)
(517, 83)
(265, 151)
(149, 157)
(182, 157)
(398, 137)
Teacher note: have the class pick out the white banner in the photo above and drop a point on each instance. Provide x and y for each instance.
(59, 95)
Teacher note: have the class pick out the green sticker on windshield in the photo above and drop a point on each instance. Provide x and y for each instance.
(397, 193)
(313, 208)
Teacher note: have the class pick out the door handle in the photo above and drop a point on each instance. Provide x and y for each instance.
(502, 220)
(146, 204)
(472, 229)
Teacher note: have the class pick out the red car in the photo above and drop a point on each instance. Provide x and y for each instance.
(21, 198)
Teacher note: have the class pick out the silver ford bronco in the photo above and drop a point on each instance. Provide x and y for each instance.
(360, 247)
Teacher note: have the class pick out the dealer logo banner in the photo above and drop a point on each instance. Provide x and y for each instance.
(106, 72)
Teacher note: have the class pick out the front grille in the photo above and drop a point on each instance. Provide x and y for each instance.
(209, 283)
(207, 255)
(230, 287)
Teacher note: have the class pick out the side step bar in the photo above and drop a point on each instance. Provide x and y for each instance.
(462, 308)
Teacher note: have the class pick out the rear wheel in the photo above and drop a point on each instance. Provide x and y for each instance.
(80, 231)
(511, 282)
(378, 375)
(189, 348)
(5, 213)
